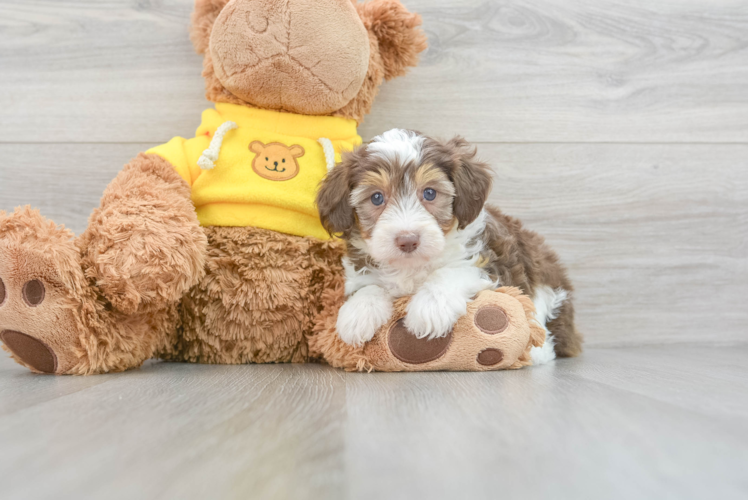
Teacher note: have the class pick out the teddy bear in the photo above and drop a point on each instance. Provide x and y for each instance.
(210, 249)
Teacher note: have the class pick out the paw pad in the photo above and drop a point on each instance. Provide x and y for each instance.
(33, 293)
(2, 292)
(32, 351)
(490, 357)
(409, 349)
(491, 320)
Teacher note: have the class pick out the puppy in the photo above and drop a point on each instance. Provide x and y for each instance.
(412, 212)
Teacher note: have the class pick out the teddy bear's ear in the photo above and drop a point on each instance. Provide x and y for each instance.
(203, 17)
(398, 33)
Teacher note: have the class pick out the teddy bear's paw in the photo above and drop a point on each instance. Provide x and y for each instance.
(496, 333)
(39, 272)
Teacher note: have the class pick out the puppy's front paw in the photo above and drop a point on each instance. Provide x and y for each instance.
(432, 314)
(363, 314)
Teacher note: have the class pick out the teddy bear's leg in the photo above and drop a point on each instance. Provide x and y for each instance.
(144, 247)
(106, 301)
(497, 332)
(42, 292)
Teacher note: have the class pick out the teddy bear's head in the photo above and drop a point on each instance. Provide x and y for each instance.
(313, 57)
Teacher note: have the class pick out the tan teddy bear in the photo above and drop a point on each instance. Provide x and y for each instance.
(202, 250)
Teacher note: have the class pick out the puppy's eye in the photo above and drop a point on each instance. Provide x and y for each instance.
(377, 199)
(266, 158)
(429, 194)
(284, 160)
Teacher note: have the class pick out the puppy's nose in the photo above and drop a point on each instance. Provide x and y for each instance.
(407, 242)
(275, 163)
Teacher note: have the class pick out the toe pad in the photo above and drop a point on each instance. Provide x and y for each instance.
(490, 357)
(491, 320)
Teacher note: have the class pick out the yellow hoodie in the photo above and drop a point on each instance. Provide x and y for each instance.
(261, 168)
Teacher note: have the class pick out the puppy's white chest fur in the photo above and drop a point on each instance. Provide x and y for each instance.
(397, 282)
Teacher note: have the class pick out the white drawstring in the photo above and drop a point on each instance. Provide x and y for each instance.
(329, 152)
(209, 157)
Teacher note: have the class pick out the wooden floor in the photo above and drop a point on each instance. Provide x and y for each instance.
(618, 129)
(643, 422)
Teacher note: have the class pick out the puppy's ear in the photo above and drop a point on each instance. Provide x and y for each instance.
(333, 198)
(398, 33)
(472, 179)
(203, 17)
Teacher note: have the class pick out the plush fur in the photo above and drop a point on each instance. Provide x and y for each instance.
(306, 57)
(145, 279)
(86, 334)
(144, 247)
(117, 286)
(258, 299)
(412, 211)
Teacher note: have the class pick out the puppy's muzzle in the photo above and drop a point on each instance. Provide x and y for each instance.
(408, 242)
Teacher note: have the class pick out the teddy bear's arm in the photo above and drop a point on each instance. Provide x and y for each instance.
(144, 246)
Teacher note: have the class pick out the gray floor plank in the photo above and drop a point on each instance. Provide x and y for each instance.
(615, 423)
(182, 431)
(510, 71)
(64, 181)
(534, 434)
(667, 373)
(655, 236)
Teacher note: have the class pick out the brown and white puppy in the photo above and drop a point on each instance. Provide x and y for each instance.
(412, 212)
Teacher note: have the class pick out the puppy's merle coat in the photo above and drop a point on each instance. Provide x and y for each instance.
(412, 212)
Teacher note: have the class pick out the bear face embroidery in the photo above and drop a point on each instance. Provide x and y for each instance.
(276, 161)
